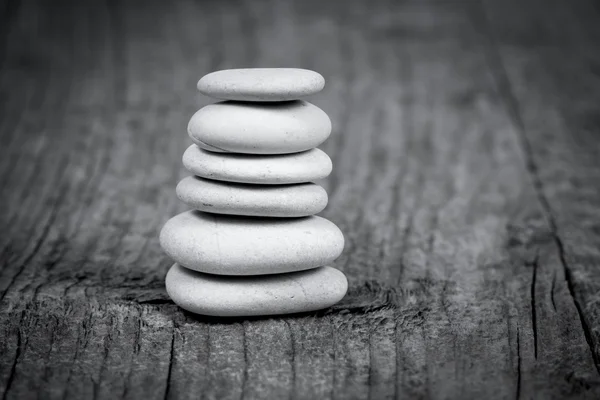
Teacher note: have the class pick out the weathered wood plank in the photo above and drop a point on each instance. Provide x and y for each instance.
(464, 180)
(553, 111)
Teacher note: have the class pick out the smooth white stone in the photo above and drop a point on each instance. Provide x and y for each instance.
(227, 296)
(259, 128)
(235, 245)
(261, 84)
(297, 200)
(306, 166)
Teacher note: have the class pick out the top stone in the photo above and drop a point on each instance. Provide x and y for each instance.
(261, 84)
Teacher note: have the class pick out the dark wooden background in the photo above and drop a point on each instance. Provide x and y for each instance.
(466, 152)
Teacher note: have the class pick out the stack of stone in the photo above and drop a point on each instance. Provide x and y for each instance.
(252, 245)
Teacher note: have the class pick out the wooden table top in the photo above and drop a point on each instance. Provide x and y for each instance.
(466, 152)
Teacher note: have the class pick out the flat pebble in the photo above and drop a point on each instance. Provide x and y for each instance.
(261, 84)
(259, 128)
(306, 166)
(236, 245)
(227, 296)
(296, 200)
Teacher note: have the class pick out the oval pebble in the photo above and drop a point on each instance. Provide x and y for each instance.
(259, 128)
(236, 245)
(227, 296)
(306, 166)
(261, 84)
(297, 200)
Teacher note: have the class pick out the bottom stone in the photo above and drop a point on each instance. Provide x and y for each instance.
(229, 296)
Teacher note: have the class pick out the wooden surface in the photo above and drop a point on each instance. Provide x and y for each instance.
(466, 152)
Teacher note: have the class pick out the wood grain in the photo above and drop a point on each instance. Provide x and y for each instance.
(466, 170)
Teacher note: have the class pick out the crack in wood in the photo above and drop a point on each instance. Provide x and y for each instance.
(292, 361)
(13, 368)
(245, 350)
(534, 266)
(135, 351)
(171, 362)
(370, 367)
(79, 346)
(105, 350)
(50, 347)
(208, 352)
(519, 374)
(552, 289)
(333, 356)
(586, 329)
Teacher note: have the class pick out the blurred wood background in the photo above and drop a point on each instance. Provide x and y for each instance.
(466, 152)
